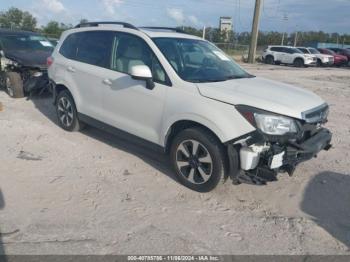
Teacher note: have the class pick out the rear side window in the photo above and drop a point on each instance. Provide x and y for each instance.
(69, 46)
(276, 49)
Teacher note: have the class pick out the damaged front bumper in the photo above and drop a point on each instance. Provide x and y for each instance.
(261, 160)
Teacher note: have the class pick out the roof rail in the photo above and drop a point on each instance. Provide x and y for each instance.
(126, 25)
(164, 28)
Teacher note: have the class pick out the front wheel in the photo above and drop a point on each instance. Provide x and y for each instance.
(298, 62)
(198, 159)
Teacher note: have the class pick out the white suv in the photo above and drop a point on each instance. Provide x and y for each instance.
(322, 59)
(288, 55)
(184, 96)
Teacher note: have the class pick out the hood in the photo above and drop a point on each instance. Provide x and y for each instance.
(324, 56)
(309, 55)
(264, 94)
(342, 57)
(29, 59)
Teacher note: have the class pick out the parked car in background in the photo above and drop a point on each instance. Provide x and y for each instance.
(322, 59)
(342, 51)
(287, 55)
(53, 41)
(184, 96)
(339, 60)
(23, 56)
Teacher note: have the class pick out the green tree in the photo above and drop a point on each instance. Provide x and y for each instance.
(54, 29)
(17, 19)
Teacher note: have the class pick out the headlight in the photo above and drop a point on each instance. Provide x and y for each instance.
(268, 123)
(274, 124)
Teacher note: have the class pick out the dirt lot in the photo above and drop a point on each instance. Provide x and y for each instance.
(93, 193)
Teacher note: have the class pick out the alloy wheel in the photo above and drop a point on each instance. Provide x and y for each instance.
(194, 161)
(65, 111)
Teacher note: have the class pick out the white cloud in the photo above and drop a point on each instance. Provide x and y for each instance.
(111, 5)
(181, 18)
(54, 6)
(176, 14)
(194, 20)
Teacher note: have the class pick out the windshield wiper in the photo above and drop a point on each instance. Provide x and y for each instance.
(207, 80)
(239, 76)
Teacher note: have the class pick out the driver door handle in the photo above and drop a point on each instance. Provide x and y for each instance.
(71, 69)
(107, 82)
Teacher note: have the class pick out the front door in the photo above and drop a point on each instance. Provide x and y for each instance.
(127, 103)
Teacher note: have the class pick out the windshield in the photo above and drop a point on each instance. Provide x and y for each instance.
(314, 51)
(304, 50)
(330, 52)
(295, 50)
(25, 42)
(198, 60)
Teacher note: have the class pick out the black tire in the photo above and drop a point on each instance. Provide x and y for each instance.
(298, 62)
(66, 110)
(14, 85)
(269, 60)
(208, 158)
(319, 63)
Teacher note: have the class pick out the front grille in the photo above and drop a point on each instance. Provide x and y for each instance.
(316, 115)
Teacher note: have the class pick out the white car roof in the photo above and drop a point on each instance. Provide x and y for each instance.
(170, 34)
(150, 32)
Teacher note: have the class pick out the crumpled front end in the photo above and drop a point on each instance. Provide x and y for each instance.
(262, 157)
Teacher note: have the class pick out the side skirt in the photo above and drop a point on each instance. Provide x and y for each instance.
(120, 133)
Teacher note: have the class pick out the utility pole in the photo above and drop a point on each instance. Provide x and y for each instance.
(203, 36)
(295, 38)
(255, 32)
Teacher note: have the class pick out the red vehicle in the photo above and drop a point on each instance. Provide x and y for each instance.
(339, 60)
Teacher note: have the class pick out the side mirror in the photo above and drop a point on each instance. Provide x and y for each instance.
(142, 72)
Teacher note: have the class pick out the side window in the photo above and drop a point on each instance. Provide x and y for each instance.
(130, 50)
(287, 50)
(275, 49)
(69, 46)
(94, 48)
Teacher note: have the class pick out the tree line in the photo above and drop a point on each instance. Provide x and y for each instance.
(17, 19)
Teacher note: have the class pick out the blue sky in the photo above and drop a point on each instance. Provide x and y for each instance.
(303, 15)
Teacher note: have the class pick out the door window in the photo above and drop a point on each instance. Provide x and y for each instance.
(129, 50)
(94, 48)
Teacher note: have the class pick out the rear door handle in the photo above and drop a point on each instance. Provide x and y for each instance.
(70, 69)
(107, 82)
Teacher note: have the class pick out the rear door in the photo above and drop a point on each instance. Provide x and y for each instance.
(277, 53)
(88, 69)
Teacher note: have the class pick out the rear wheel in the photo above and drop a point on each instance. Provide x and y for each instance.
(269, 60)
(298, 62)
(198, 159)
(67, 115)
(14, 84)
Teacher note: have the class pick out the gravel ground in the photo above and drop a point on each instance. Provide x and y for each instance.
(93, 193)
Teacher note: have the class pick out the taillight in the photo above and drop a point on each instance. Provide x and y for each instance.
(49, 61)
